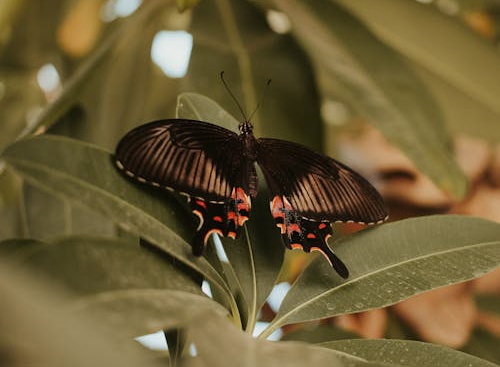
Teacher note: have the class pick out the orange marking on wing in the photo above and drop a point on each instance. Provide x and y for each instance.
(322, 225)
(242, 219)
(215, 230)
(296, 246)
(311, 235)
(231, 215)
(314, 248)
(240, 195)
(217, 219)
(282, 227)
(201, 203)
(200, 217)
(276, 207)
(231, 234)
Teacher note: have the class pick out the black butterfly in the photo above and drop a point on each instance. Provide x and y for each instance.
(215, 168)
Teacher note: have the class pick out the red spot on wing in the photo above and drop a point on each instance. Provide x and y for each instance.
(231, 234)
(311, 235)
(296, 246)
(293, 227)
(217, 219)
(201, 203)
(322, 225)
(231, 215)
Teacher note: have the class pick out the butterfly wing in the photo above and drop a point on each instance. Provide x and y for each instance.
(311, 190)
(200, 160)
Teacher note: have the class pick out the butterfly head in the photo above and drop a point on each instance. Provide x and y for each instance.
(245, 127)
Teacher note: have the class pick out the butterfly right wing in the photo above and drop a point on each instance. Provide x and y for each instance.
(311, 190)
(198, 159)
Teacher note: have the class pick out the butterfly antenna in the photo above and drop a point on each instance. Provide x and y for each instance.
(232, 95)
(261, 99)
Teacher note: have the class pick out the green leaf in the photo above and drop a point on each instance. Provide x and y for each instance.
(136, 312)
(354, 65)
(392, 262)
(86, 175)
(256, 257)
(233, 36)
(16, 249)
(462, 75)
(406, 353)
(198, 107)
(319, 334)
(36, 330)
(220, 344)
(136, 291)
(10, 186)
(48, 215)
(88, 265)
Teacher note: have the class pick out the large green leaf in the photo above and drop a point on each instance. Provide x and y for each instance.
(136, 290)
(36, 330)
(86, 175)
(256, 257)
(88, 265)
(406, 353)
(218, 343)
(355, 66)
(135, 312)
(460, 67)
(48, 215)
(233, 36)
(393, 262)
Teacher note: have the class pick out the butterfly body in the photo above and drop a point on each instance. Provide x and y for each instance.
(215, 168)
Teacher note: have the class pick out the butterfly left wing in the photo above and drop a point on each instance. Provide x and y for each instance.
(200, 160)
(309, 191)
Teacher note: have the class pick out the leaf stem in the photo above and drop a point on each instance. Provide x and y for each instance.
(252, 312)
(268, 330)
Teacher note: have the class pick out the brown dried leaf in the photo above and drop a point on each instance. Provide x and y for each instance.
(489, 322)
(444, 316)
(489, 283)
(400, 179)
(369, 324)
(484, 202)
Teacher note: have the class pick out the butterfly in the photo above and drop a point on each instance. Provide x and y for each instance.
(215, 168)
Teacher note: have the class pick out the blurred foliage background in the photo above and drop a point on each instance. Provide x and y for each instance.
(406, 92)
